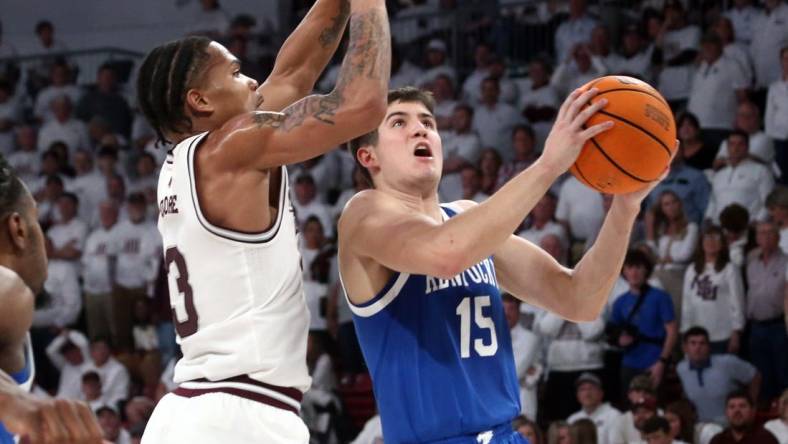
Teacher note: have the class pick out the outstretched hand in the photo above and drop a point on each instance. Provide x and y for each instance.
(634, 198)
(569, 133)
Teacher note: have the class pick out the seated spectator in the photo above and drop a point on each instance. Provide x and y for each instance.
(683, 419)
(581, 211)
(558, 433)
(539, 101)
(714, 294)
(583, 431)
(461, 147)
(769, 36)
(109, 420)
(635, 55)
(629, 427)
(777, 206)
(766, 276)
(138, 410)
(494, 120)
(742, 15)
(706, 378)
(718, 86)
(26, 161)
(472, 85)
(524, 145)
(580, 68)
(656, 430)
(527, 353)
(644, 322)
(471, 183)
(64, 127)
(695, 151)
(47, 198)
(779, 425)
(677, 42)
(498, 70)
(776, 116)
(528, 429)
(734, 221)
(761, 146)
(489, 166)
(442, 89)
(733, 49)
(543, 222)
(742, 429)
(689, 183)
(743, 181)
(91, 390)
(88, 184)
(576, 29)
(590, 395)
(437, 63)
(403, 73)
(114, 376)
(69, 352)
(106, 101)
(600, 46)
(60, 84)
(673, 239)
(10, 116)
(307, 204)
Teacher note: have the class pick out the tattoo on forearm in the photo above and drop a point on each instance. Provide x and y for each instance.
(368, 56)
(330, 35)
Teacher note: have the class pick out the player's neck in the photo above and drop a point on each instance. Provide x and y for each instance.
(420, 202)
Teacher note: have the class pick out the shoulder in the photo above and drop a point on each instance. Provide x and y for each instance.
(363, 206)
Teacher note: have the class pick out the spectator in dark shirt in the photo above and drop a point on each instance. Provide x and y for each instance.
(104, 100)
(740, 411)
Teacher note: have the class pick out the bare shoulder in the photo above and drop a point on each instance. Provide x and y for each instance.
(17, 301)
(362, 204)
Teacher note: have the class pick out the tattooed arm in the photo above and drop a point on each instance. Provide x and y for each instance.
(317, 123)
(305, 54)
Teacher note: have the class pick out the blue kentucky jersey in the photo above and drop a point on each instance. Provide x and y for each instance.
(440, 356)
(24, 378)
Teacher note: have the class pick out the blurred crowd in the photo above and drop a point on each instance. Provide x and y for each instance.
(692, 345)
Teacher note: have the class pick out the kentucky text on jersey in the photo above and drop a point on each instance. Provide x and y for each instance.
(483, 272)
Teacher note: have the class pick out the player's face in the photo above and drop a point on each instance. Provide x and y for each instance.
(409, 147)
(228, 92)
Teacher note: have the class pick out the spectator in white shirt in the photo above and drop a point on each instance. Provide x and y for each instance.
(590, 395)
(114, 376)
(89, 184)
(60, 85)
(109, 420)
(69, 352)
(743, 181)
(96, 275)
(138, 247)
(678, 43)
(67, 237)
(63, 301)
(743, 15)
(776, 118)
(779, 425)
(576, 29)
(718, 86)
(769, 35)
(472, 184)
(26, 160)
(714, 294)
(656, 430)
(490, 167)
(442, 89)
(600, 47)
(761, 146)
(10, 115)
(538, 99)
(437, 63)
(580, 68)
(473, 83)
(580, 210)
(461, 147)
(146, 177)
(307, 204)
(91, 390)
(524, 147)
(673, 239)
(403, 73)
(635, 55)
(527, 355)
(47, 46)
(209, 19)
(733, 49)
(508, 88)
(494, 120)
(64, 127)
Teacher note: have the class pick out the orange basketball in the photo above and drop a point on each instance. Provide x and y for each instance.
(636, 151)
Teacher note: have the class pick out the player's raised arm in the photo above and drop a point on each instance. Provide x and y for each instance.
(305, 54)
(317, 123)
(372, 226)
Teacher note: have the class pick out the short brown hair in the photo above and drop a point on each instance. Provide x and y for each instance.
(407, 94)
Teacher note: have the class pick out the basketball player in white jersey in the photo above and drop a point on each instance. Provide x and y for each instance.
(23, 268)
(227, 227)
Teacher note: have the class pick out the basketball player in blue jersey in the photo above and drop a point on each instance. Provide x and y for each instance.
(23, 269)
(424, 280)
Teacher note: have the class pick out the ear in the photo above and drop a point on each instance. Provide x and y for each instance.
(366, 157)
(197, 103)
(17, 232)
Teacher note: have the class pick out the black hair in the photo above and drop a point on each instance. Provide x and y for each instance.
(636, 257)
(741, 133)
(12, 191)
(167, 72)
(407, 94)
(736, 218)
(73, 197)
(739, 394)
(655, 424)
(695, 331)
(43, 24)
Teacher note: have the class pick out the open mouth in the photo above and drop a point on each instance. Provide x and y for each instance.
(422, 150)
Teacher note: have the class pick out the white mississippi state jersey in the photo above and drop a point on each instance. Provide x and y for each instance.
(237, 298)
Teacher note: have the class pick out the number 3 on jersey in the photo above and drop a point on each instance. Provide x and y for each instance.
(181, 300)
(482, 321)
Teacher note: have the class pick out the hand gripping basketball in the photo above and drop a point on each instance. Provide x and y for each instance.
(570, 133)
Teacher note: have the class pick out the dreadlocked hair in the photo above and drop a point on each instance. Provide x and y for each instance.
(166, 74)
(11, 189)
